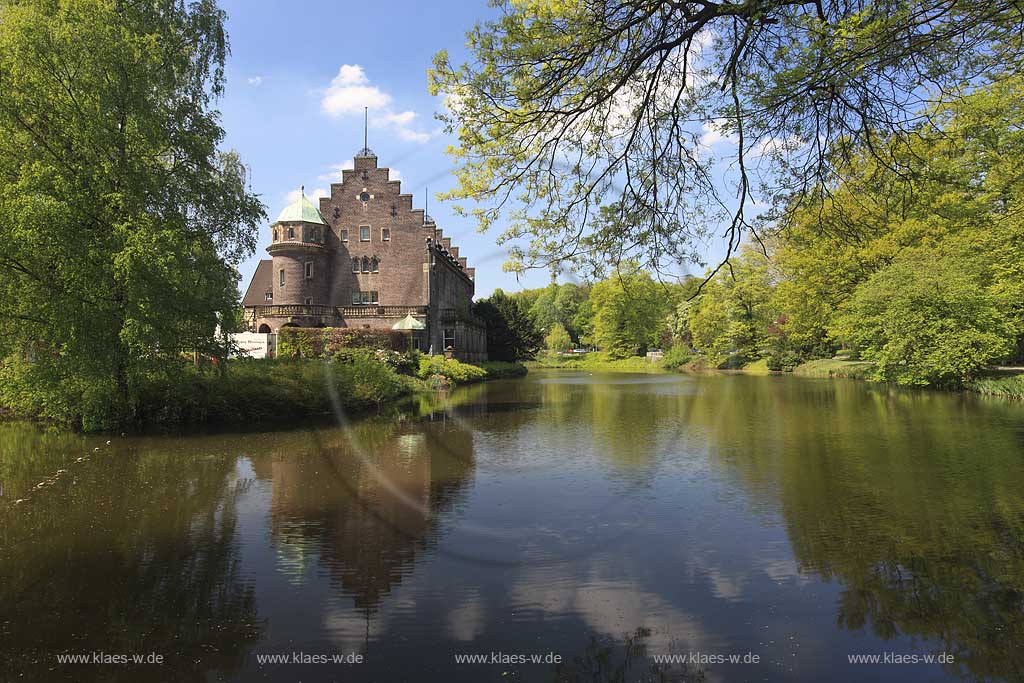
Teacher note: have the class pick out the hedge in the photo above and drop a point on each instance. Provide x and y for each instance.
(325, 342)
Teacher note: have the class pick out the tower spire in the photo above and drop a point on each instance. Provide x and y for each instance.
(366, 151)
(426, 206)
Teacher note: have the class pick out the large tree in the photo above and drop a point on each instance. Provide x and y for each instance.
(121, 221)
(567, 106)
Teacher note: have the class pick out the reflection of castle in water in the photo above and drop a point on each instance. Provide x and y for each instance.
(366, 502)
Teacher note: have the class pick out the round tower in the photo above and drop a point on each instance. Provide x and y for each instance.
(301, 272)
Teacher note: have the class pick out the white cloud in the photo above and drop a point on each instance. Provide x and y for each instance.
(255, 80)
(312, 195)
(333, 175)
(714, 133)
(350, 91)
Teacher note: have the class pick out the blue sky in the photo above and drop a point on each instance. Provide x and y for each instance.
(298, 77)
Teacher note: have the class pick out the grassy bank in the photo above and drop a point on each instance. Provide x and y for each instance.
(1007, 383)
(271, 392)
(827, 367)
(596, 362)
(274, 393)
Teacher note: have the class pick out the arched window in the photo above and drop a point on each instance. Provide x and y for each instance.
(355, 264)
(374, 264)
(366, 264)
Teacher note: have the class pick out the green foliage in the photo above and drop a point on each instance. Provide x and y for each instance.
(558, 305)
(497, 369)
(268, 392)
(557, 339)
(1005, 384)
(831, 368)
(629, 312)
(325, 342)
(619, 88)
(452, 370)
(677, 357)
(511, 333)
(925, 320)
(729, 321)
(121, 221)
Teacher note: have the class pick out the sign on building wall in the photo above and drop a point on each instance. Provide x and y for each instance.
(254, 345)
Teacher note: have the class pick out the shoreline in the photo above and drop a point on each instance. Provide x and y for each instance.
(276, 394)
(1005, 383)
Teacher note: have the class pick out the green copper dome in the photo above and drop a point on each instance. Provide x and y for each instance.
(302, 210)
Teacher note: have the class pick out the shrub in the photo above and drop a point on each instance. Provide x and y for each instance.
(267, 392)
(926, 319)
(325, 342)
(499, 369)
(676, 357)
(451, 369)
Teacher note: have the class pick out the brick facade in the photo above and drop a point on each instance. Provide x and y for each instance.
(402, 258)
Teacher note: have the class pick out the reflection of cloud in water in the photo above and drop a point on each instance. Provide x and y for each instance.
(610, 607)
(466, 621)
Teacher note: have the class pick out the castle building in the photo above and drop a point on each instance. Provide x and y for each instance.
(365, 258)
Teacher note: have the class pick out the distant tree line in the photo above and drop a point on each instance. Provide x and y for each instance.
(918, 269)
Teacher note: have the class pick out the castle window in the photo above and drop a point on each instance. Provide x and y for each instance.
(364, 233)
(355, 264)
(309, 270)
(366, 265)
(315, 234)
(344, 235)
(374, 264)
(364, 298)
(275, 235)
(269, 296)
(291, 233)
(449, 338)
(282, 277)
(385, 234)
(309, 301)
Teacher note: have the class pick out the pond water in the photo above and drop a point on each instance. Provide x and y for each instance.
(608, 520)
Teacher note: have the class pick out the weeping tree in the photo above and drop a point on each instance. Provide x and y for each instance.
(121, 220)
(591, 129)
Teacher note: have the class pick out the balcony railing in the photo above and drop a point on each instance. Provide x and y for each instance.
(292, 310)
(314, 310)
(375, 311)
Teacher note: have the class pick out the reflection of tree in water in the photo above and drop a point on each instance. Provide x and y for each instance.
(912, 500)
(366, 504)
(611, 662)
(129, 553)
